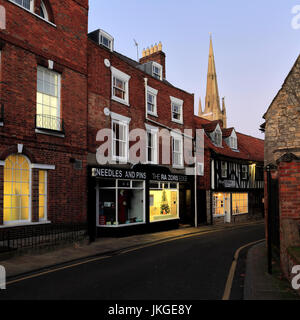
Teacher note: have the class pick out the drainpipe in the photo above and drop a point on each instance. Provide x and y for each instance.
(146, 97)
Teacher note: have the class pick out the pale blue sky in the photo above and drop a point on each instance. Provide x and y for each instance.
(255, 46)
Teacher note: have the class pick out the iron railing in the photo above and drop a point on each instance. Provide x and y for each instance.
(38, 236)
(50, 123)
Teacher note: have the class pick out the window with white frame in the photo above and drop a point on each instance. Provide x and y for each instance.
(17, 189)
(152, 101)
(106, 40)
(177, 150)
(120, 86)
(152, 150)
(177, 110)
(43, 11)
(157, 70)
(48, 99)
(233, 141)
(216, 136)
(27, 4)
(42, 195)
(239, 203)
(245, 170)
(224, 169)
(120, 140)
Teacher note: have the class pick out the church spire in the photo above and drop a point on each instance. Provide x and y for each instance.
(200, 112)
(212, 109)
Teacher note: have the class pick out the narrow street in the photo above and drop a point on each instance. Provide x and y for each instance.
(194, 268)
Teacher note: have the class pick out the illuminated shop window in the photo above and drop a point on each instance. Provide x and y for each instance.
(17, 191)
(120, 203)
(42, 195)
(164, 201)
(239, 203)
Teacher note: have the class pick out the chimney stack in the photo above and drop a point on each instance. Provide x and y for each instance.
(155, 53)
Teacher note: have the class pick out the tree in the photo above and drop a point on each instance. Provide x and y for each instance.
(164, 207)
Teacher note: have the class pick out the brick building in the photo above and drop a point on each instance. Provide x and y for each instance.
(124, 95)
(43, 125)
(282, 158)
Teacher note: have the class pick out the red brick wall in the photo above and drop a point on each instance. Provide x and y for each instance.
(27, 42)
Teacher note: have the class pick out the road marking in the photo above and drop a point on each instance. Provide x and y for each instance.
(35, 275)
(228, 287)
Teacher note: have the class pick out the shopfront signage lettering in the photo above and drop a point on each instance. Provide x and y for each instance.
(118, 174)
(168, 177)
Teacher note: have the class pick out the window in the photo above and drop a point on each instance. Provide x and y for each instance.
(43, 11)
(157, 70)
(152, 101)
(48, 100)
(17, 189)
(177, 110)
(177, 150)
(42, 195)
(120, 202)
(120, 140)
(120, 86)
(224, 169)
(27, 4)
(233, 142)
(164, 201)
(239, 203)
(245, 170)
(106, 40)
(152, 154)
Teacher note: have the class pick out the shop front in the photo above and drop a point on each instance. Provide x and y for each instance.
(138, 199)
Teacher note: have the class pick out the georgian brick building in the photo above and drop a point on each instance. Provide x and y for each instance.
(125, 95)
(43, 125)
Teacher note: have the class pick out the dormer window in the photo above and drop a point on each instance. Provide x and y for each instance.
(106, 40)
(157, 70)
(232, 141)
(216, 136)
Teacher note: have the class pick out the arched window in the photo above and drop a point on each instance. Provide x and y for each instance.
(43, 11)
(17, 189)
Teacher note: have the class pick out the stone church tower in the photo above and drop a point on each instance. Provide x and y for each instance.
(212, 109)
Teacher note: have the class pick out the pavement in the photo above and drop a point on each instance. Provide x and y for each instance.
(258, 284)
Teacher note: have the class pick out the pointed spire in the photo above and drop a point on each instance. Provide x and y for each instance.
(224, 113)
(200, 112)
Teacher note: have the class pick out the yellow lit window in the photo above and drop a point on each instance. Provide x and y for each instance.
(239, 203)
(16, 205)
(42, 195)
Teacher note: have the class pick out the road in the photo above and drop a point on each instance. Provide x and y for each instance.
(194, 268)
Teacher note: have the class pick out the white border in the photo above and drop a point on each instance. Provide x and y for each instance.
(180, 103)
(124, 77)
(154, 92)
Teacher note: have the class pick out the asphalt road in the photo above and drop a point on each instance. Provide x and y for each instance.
(193, 268)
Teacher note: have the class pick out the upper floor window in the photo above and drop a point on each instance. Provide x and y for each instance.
(216, 136)
(157, 70)
(120, 86)
(152, 150)
(43, 11)
(177, 149)
(245, 170)
(224, 169)
(48, 99)
(27, 4)
(177, 110)
(233, 141)
(152, 101)
(106, 40)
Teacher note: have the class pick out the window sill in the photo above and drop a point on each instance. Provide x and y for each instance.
(34, 14)
(218, 215)
(239, 214)
(50, 133)
(177, 121)
(152, 114)
(24, 224)
(120, 101)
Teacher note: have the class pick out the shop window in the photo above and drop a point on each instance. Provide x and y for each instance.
(42, 195)
(17, 189)
(120, 203)
(221, 204)
(164, 202)
(239, 203)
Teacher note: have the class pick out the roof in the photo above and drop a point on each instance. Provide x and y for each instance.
(227, 132)
(249, 148)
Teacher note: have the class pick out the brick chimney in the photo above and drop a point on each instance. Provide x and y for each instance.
(155, 54)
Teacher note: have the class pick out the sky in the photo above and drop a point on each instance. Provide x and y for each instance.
(255, 46)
